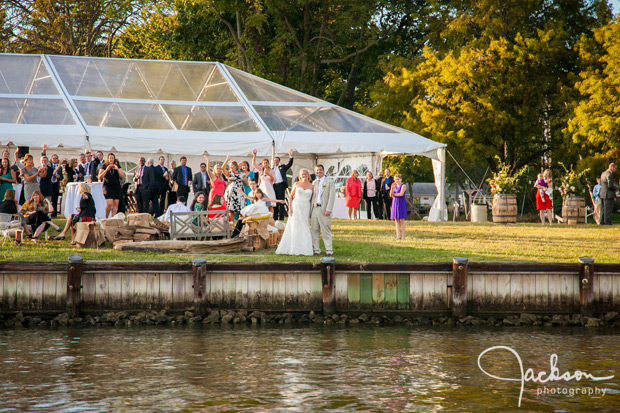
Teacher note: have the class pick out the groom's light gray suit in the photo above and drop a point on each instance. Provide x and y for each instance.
(319, 221)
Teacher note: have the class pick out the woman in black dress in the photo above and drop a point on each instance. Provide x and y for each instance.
(87, 212)
(111, 175)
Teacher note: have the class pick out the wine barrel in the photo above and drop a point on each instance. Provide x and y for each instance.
(505, 208)
(574, 209)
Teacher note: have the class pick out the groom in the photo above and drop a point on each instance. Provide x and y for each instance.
(323, 196)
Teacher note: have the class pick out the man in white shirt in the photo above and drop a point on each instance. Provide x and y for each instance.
(280, 184)
(178, 207)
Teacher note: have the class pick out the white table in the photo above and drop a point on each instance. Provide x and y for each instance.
(71, 199)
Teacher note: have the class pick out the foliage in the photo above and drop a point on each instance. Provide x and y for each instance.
(596, 123)
(68, 27)
(503, 181)
(571, 182)
(412, 168)
(324, 48)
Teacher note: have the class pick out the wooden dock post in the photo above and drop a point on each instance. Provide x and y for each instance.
(328, 265)
(459, 287)
(74, 285)
(586, 284)
(199, 265)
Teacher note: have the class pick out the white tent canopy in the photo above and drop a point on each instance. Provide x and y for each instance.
(190, 108)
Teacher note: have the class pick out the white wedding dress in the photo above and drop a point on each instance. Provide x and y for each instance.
(297, 239)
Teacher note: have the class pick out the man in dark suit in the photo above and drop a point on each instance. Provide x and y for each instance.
(88, 167)
(81, 168)
(141, 195)
(56, 178)
(182, 176)
(151, 187)
(97, 161)
(201, 181)
(280, 184)
(162, 177)
(608, 194)
(386, 185)
(379, 183)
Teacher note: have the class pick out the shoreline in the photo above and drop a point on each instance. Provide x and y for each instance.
(245, 317)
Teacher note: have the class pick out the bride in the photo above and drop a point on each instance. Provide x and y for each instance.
(297, 239)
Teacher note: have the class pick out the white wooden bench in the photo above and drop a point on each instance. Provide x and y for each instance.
(197, 224)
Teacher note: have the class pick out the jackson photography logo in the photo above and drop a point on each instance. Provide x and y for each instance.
(543, 377)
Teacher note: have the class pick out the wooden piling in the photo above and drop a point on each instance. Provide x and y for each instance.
(199, 265)
(586, 286)
(459, 287)
(328, 265)
(74, 285)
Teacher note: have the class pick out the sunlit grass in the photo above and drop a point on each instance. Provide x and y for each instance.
(373, 241)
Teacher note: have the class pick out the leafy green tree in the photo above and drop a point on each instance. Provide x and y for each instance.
(595, 126)
(67, 27)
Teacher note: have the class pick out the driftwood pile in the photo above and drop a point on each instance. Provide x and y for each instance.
(209, 247)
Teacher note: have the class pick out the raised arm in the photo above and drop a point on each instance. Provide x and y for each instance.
(257, 167)
(212, 177)
(224, 170)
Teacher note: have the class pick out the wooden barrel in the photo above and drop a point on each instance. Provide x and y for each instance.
(505, 208)
(574, 209)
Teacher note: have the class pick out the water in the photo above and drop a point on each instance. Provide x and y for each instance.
(300, 368)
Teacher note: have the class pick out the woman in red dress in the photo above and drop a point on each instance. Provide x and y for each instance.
(544, 189)
(353, 194)
(218, 177)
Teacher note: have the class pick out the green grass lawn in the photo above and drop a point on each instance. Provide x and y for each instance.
(373, 241)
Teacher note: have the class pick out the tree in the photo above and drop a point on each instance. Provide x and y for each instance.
(67, 27)
(596, 122)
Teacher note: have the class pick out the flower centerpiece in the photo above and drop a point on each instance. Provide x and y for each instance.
(504, 186)
(503, 182)
(571, 183)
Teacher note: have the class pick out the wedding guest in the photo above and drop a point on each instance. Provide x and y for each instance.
(110, 173)
(45, 179)
(218, 177)
(30, 174)
(544, 188)
(172, 185)
(399, 206)
(257, 208)
(86, 212)
(199, 202)
(386, 185)
(182, 175)
(9, 206)
(369, 193)
(609, 187)
(247, 176)
(7, 177)
(353, 194)
(380, 205)
(280, 184)
(71, 171)
(56, 179)
(596, 192)
(36, 211)
(234, 200)
(179, 206)
(266, 178)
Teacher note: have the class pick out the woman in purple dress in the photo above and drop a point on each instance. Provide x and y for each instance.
(399, 205)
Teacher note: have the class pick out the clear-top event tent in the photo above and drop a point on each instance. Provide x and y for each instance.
(189, 108)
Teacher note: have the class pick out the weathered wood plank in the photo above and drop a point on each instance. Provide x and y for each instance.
(402, 297)
(115, 291)
(475, 300)
(165, 289)
(254, 290)
(291, 282)
(228, 290)
(616, 290)
(490, 289)
(266, 290)
(341, 295)
(178, 290)
(217, 284)
(555, 291)
(516, 292)
(89, 289)
(278, 298)
(605, 300)
(441, 292)
(241, 290)
(529, 292)
(416, 291)
(378, 291)
(316, 297)
(140, 296)
(36, 292)
(542, 291)
(304, 288)
(503, 291)
(23, 291)
(353, 291)
(101, 291)
(391, 291)
(127, 290)
(189, 290)
(10, 292)
(1, 291)
(61, 290)
(366, 290)
(48, 293)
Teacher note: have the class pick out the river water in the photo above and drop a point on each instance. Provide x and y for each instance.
(304, 368)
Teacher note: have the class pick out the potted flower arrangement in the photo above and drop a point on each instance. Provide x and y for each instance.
(504, 187)
(572, 190)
